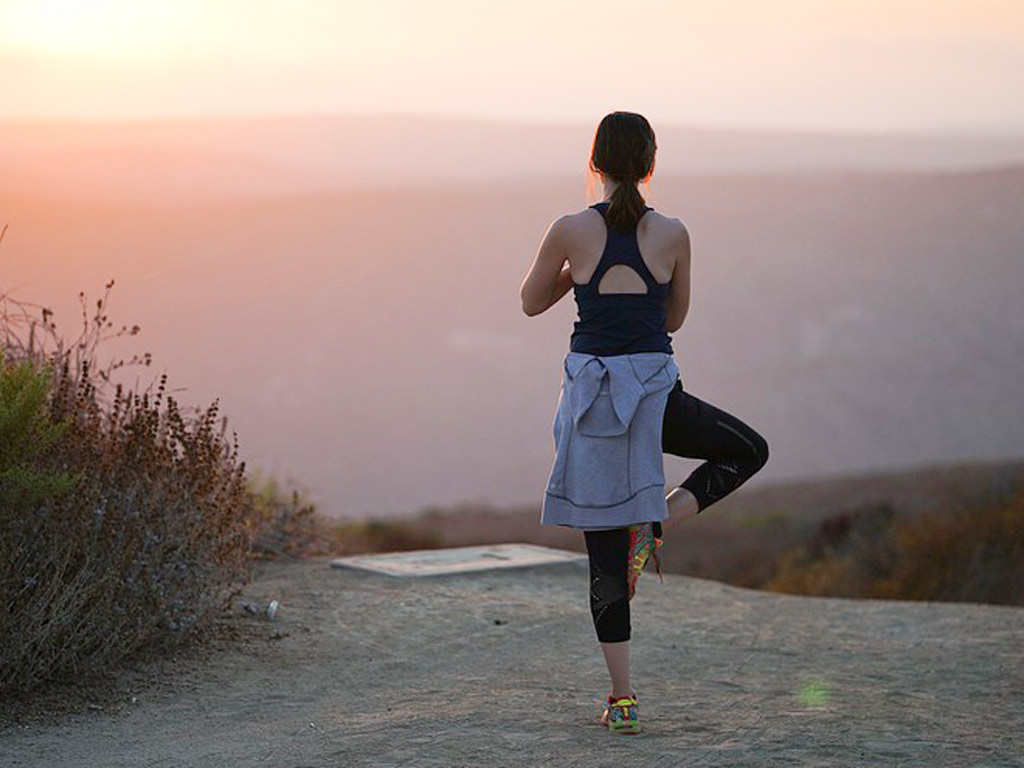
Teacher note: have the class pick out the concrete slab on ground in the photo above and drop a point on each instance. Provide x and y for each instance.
(434, 562)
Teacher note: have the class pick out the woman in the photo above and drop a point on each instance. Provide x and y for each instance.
(622, 402)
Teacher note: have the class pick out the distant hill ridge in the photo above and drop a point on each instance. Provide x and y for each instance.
(836, 535)
(243, 157)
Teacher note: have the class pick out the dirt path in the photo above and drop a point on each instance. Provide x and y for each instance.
(503, 669)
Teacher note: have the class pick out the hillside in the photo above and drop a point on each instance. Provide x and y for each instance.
(743, 539)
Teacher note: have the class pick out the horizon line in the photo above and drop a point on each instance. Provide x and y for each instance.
(977, 132)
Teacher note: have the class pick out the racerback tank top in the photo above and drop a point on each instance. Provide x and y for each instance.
(620, 323)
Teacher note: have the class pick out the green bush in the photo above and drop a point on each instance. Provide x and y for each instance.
(26, 437)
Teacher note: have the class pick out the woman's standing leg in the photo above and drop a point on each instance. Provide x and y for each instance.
(695, 429)
(608, 552)
(691, 428)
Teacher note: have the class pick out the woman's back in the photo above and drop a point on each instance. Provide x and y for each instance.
(621, 281)
(622, 255)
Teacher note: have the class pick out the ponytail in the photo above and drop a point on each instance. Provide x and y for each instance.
(627, 205)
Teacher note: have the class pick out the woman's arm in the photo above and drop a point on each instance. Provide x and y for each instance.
(549, 278)
(678, 303)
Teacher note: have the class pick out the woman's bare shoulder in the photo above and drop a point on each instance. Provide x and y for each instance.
(664, 232)
(583, 224)
(670, 225)
(585, 217)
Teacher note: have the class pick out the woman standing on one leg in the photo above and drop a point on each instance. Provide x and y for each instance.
(622, 403)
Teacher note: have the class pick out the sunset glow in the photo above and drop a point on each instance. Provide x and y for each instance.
(845, 64)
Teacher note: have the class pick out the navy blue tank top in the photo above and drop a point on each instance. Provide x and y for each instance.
(620, 323)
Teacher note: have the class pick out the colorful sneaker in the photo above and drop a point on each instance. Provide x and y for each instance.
(643, 546)
(621, 715)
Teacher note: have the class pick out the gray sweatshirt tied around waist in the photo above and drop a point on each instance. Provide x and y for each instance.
(608, 470)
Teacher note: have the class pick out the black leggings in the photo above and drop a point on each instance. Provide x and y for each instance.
(692, 429)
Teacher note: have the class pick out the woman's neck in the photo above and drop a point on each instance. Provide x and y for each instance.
(609, 187)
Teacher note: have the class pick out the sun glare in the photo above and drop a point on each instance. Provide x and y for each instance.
(82, 26)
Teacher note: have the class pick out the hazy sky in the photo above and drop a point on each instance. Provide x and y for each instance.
(818, 64)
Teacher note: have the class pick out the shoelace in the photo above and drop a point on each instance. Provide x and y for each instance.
(624, 705)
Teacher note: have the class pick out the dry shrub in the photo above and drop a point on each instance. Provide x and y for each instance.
(843, 557)
(972, 556)
(968, 555)
(362, 536)
(30, 332)
(144, 551)
(148, 545)
(288, 525)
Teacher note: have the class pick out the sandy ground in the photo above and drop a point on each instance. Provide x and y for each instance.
(502, 669)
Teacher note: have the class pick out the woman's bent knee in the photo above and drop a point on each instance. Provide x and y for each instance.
(760, 450)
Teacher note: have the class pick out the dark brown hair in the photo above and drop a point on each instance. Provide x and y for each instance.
(623, 150)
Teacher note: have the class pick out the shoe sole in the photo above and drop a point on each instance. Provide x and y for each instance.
(627, 731)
